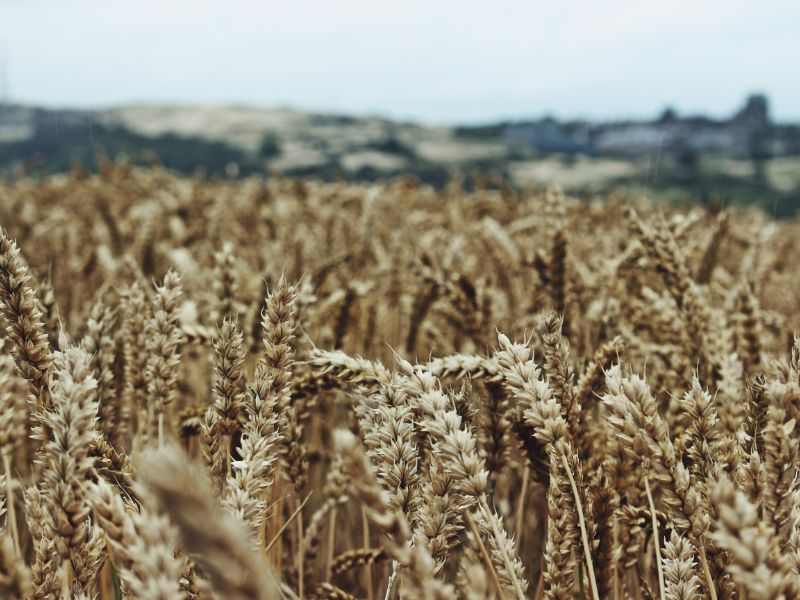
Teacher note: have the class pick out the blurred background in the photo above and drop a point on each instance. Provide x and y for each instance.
(687, 101)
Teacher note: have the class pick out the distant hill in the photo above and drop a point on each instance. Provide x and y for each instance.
(746, 158)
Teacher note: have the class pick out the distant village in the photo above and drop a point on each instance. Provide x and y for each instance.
(749, 133)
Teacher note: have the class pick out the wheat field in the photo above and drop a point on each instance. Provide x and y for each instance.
(287, 389)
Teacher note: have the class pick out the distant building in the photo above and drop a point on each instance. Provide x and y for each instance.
(703, 136)
(670, 134)
(550, 136)
(16, 123)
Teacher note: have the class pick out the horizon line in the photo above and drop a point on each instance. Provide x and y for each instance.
(397, 116)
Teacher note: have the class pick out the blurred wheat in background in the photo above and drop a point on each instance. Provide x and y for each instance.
(287, 389)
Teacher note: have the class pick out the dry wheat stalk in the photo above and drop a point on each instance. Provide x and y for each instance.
(218, 541)
(163, 345)
(23, 320)
(264, 347)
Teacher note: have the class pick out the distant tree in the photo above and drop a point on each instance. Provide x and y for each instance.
(568, 159)
(270, 146)
(668, 116)
(759, 150)
(688, 158)
(755, 112)
(52, 150)
(755, 117)
(480, 132)
(392, 145)
(790, 137)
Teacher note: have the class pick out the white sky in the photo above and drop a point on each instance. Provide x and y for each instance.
(444, 61)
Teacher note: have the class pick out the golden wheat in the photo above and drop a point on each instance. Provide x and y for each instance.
(290, 389)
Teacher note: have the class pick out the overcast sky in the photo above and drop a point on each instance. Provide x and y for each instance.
(435, 61)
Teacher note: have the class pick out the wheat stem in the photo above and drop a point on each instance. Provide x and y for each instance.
(656, 539)
(701, 550)
(66, 578)
(392, 579)
(300, 555)
(586, 548)
(365, 543)
(330, 550)
(286, 524)
(12, 510)
(521, 505)
(484, 554)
